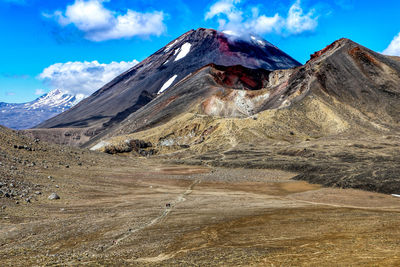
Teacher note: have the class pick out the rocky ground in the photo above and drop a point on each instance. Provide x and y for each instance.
(130, 211)
(22, 161)
(369, 163)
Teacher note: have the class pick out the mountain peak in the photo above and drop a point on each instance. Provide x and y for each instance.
(55, 92)
(163, 70)
(28, 115)
(55, 98)
(330, 49)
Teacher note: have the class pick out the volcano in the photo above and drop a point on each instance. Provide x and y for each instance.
(168, 66)
(344, 88)
(334, 120)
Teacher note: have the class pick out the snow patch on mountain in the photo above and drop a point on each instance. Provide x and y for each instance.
(99, 145)
(167, 84)
(258, 41)
(262, 43)
(168, 47)
(185, 49)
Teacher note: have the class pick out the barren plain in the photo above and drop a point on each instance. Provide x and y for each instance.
(114, 213)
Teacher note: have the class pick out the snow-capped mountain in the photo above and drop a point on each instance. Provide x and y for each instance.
(54, 99)
(160, 72)
(27, 115)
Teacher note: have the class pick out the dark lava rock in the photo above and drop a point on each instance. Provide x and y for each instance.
(135, 145)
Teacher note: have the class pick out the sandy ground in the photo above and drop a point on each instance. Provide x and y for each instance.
(118, 216)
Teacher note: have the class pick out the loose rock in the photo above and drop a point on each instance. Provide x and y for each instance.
(54, 196)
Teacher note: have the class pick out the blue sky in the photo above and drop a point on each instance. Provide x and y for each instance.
(78, 45)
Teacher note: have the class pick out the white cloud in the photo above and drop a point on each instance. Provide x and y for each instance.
(82, 78)
(231, 17)
(132, 24)
(263, 24)
(298, 22)
(226, 7)
(87, 16)
(101, 24)
(394, 47)
(40, 92)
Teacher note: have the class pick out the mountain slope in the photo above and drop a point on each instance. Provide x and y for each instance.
(28, 115)
(335, 121)
(344, 89)
(138, 86)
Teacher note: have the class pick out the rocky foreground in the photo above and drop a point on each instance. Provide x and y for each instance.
(138, 211)
(23, 160)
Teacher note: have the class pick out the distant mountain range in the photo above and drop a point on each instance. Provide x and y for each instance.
(27, 115)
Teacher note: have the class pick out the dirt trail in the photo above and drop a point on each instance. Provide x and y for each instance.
(165, 213)
(386, 208)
